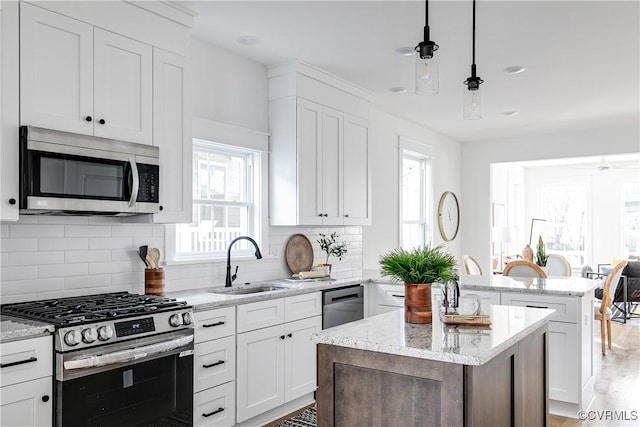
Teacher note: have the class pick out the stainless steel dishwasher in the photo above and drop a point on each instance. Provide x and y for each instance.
(343, 305)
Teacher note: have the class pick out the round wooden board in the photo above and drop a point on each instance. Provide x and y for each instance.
(299, 253)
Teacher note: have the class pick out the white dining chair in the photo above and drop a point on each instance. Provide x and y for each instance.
(471, 266)
(557, 265)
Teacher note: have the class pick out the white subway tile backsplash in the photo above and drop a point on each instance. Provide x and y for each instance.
(110, 267)
(87, 256)
(63, 270)
(64, 220)
(35, 230)
(132, 230)
(36, 258)
(63, 244)
(90, 281)
(19, 245)
(4, 231)
(22, 272)
(110, 243)
(126, 254)
(27, 219)
(35, 285)
(87, 231)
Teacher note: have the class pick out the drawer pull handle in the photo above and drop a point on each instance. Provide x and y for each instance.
(213, 324)
(19, 362)
(217, 411)
(536, 306)
(397, 296)
(211, 365)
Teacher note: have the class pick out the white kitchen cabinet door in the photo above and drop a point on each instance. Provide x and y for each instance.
(172, 134)
(123, 88)
(56, 71)
(357, 176)
(331, 166)
(26, 404)
(300, 357)
(260, 379)
(309, 135)
(9, 110)
(564, 371)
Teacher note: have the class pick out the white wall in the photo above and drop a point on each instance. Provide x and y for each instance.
(386, 129)
(477, 158)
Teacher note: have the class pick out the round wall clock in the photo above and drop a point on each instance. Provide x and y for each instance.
(448, 216)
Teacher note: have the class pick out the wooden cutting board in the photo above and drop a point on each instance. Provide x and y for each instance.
(299, 253)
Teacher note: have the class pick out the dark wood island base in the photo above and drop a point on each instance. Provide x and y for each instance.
(367, 388)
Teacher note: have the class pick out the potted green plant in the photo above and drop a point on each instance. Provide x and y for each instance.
(331, 246)
(541, 253)
(418, 268)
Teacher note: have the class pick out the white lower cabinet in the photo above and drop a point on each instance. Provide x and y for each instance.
(214, 368)
(26, 382)
(277, 364)
(215, 406)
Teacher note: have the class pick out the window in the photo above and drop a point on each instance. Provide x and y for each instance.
(631, 219)
(565, 209)
(225, 201)
(415, 202)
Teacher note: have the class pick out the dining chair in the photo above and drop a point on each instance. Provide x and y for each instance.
(557, 265)
(602, 309)
(471, 266)
(523, 268)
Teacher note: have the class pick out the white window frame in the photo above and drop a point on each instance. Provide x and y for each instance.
(409, 148)
(243, 139)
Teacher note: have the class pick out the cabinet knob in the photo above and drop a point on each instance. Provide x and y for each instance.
(281, 337)
(319, 214)
(12, 201)
(289, 335)
(161, 207)
(101, 121)
(346, 215)
(88, 118)
(45, 398)
(325, 215)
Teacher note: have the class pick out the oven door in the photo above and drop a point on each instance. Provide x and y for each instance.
(135, 383)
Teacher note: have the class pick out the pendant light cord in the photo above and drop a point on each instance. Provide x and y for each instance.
(426, 21)
(473, 50)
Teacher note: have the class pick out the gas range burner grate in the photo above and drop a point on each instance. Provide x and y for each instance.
(91, 308)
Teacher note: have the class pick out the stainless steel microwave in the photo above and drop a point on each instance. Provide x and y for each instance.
(66, 173)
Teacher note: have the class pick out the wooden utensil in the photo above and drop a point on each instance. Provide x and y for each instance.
(154, 254)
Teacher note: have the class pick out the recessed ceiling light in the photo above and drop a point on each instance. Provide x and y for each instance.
(406, 51)
(516, 69)
(398, 89)
(509, 113)
(247, 40)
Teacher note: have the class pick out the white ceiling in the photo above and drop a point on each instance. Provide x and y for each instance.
(582, 57)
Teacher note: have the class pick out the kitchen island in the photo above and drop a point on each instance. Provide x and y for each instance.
(383, 371)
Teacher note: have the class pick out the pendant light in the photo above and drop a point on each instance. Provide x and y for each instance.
(427, 79)
(472, 96)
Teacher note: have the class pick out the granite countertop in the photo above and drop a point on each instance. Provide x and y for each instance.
(569, 286)
(388, 333)
(14, 328)
(205, 299)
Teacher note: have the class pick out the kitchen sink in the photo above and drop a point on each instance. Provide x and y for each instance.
(251, 290)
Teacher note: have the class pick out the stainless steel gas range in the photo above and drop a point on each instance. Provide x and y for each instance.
(121, 359)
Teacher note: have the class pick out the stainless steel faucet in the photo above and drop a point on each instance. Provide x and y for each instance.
(229, 280)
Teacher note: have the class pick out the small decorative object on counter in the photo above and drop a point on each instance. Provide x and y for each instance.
(541, 253)
(331, 247)
(419, 269)
(527, 253)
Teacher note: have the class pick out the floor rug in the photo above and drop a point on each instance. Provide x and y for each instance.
(306, 418)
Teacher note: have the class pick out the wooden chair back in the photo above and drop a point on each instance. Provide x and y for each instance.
(523, 268)
(471, 266)
(610, 284)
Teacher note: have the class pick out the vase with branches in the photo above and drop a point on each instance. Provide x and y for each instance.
(330, 245)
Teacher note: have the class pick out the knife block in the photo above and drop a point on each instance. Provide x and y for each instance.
(154, 281)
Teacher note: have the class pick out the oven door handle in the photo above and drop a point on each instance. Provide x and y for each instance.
(132, 354)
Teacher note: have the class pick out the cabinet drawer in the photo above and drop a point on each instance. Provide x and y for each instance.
(391, 295)
(213, 324)
(302, 306)
(214, 363)
(215, 406)
(566, 307)
(25, 360)
(260, 314)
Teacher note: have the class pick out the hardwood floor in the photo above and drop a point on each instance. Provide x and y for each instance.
(617, 381)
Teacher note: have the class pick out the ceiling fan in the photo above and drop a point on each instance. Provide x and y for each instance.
(604, 165)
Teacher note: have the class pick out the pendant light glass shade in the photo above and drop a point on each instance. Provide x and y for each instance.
(471, 103)
(427, 75)
(427, 69)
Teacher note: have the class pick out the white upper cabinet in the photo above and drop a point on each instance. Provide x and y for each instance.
(319, 162)
(81, 79)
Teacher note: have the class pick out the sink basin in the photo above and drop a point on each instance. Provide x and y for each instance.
(251, 290)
